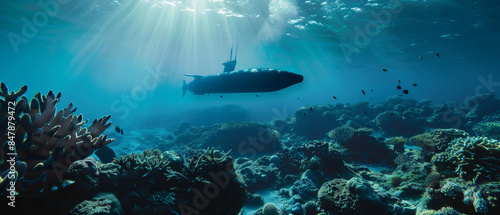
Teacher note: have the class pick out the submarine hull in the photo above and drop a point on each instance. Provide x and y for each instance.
(243, 81)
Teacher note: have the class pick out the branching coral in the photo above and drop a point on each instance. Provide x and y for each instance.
(205, 176)
(209, 171)
(475, 158)
(197, 166)
(144, 162)
(45, 140)
(436, 141)
(342, 134)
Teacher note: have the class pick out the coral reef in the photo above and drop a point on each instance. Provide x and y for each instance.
(472, 158)
(103, 203)
(270, 209)
(436, 141)
(342, 134)
(256, 174)
(442, 211)
(488, 129)
(314, 124)
(368, 149)
(46, 141)
(356, 196)
(398, 143)
(463, 196)
(482, 106)
(394, 124)
(317, 155)
(366, 170)
(244, 138)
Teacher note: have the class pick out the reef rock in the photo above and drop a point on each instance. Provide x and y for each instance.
(357, 196)
(243, 138)
(256, 174)
(393, 123)
(354, 196)
(103, 203)
(368, 149)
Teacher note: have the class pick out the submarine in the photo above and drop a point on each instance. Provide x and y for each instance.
(241, 81)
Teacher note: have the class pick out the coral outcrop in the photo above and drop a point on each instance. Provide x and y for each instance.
(463, 197)
(43, 142)
(243, 138)
(436, 141)
(342, 134)
(204, 183)
(473, 158)
(103, 203)
(356, 196)
(368, 149)
(394, 123)
(488, 129)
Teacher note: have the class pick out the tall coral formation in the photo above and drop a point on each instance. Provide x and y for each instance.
(46, 141)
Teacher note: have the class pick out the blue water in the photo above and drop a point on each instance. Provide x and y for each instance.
(99, 53)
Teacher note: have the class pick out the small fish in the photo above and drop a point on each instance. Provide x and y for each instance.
(121, 131)
(399, 81)
(305, 114)
(372, 90)
(221, 96)
(363, 91)
(392, 114)
(421, 57)
(117, 129)
(385, 70)
(311, 108)
(105, 154)
(366, 113)
(398, 87)
(405, 91)
(298, 98)
(257, 95)
(335, 97)
(414, 85)
(437, 54)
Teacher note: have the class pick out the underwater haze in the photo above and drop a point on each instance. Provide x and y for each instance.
(98, 53)
(397, 112)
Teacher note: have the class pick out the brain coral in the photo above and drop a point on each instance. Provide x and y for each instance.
(474, 158)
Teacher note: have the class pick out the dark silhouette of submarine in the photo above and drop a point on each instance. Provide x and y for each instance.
(241, 81)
